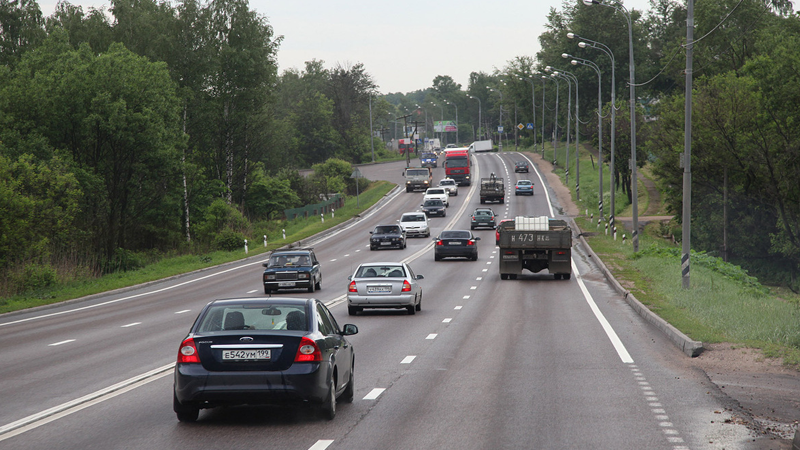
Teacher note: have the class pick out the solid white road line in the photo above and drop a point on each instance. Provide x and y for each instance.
(612, 335)
(61, 342)
(131, 325)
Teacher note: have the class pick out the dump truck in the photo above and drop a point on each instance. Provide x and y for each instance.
(417, 178)
(535, 244)
(492, 190)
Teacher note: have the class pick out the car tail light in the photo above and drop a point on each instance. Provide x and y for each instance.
(470, 242)
(406, 286)
(473, 217)
(439, 242)
(308, 351)
(188, 352)
(352, 287)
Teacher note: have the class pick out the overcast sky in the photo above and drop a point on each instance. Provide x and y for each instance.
(403, 45)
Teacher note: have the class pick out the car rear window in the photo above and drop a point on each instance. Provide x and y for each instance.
(413, 218)
(436, 202)
(254, 317)
(483, 213)
(455, 234)
(436, 191)
(382, 271)
(387, 230)
(524, 183)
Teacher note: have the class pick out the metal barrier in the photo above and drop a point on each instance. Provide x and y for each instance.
(335, 202)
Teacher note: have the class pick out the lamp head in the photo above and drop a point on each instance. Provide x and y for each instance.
(556, 73)
(590, 2)
(564, 55)
(571, 35)
(582, 44)
(573, 62)
(548, 69)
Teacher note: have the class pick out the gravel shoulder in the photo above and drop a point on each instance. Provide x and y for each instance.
(765, 393)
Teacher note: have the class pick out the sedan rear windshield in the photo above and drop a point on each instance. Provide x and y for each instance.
(523, 183)
(262, 316)
(417, 173)
(381, 271)
(413, 218)
(436, 202)
(436, 192)
(455, 234)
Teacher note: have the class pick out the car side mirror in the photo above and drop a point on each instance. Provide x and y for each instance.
(371, 232)
(349, 329)
(420, 277)
(265, 264)
(477, 238)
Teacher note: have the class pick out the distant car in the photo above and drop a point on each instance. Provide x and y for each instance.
(524, 187)
(497, 231)
(482, 218)
(415, 224)
(434, 207)
(292, 269)
(456, 243)
(387, 236)
(450, 186)
(450, 146)
(437, 192)
(384, 285)
(264, 351)
(521, 166)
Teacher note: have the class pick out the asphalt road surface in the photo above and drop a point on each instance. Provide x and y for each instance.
(531, 363)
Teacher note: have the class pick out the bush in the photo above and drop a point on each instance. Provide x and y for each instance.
(229, 240)
(33, 277)
(123, 261)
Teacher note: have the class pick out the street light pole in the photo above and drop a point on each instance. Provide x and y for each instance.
(632, 83)
(577, 134)
(604, 48)
(371, 133)
(479, 115)
(555, 120)
(499, 133)
(569, 107)
(533, 108)
(455, 106)
(575, 61)
(544, 78)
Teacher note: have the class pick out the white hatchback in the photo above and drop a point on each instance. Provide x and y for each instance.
(437, 192)
(449, 185)
(415, 224)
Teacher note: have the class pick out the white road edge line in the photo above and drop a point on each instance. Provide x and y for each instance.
(374, 394)
(321, 444)
(612, 335)
(64, 409)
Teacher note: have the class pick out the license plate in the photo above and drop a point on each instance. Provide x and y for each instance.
(379, 289)
(240, 355)
(454, 243)
(286, 283)
(386, 243)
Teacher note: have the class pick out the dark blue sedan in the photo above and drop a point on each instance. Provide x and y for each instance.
(264, 351)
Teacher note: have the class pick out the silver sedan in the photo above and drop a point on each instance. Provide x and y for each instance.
(384, 285)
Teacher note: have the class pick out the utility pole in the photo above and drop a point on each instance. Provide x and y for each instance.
(405, 130)
(686, 246)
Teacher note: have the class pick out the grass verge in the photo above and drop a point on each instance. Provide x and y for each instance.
(723, 303)
(296, 230)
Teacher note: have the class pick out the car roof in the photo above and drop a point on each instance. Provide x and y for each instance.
(382, 263)
(416, 213)
(262, 300)
(292, 252)
(522, 162)
(523, 181)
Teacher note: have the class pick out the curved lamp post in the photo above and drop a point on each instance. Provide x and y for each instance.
(555, 120)
(604, 48)
(456, 106)
(575, 61)
(556, 73)
(499, 133)
(533, 108)
(574, 79)
(479, 114)
(634, 178)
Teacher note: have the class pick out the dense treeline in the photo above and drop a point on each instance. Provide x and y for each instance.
(159, 127)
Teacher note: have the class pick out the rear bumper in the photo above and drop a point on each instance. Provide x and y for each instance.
(463, 251)
(298, 284)
(302, 382)
(380, 301)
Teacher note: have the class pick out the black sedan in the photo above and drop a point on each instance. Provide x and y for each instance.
(521, 166)
(264, 351)
(434, 207)
(456, 243)
(387, 236)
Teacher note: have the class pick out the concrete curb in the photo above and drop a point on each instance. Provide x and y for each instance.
(684, 343)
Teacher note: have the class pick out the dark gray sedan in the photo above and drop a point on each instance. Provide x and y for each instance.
(434, 207)
(456, 243)
(264, 351)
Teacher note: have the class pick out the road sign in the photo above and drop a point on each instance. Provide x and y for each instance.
(520, 126)
(530, 126)
(500, 129)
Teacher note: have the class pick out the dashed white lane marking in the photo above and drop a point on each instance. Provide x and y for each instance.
(347, 255)
(458, 307)
(182, 311)
(321, 444)
(485, 270)
(373, 394)
(472, 288)
(659, 413)
(478, 279)
(408, 359)
(466, 297)
(431, 336)
(447, 320)
(489, 262)
(131, 325)
(333, 260)
(60, 343)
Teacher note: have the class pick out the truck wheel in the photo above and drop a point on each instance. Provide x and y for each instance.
(408, 189)
(565, 276)
(503, 276)
(513, 276)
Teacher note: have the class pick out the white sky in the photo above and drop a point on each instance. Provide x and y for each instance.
(403, 45)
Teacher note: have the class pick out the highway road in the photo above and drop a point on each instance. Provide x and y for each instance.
(530, 363)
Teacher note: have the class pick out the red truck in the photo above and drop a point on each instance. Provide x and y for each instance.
(405, 145)
(458, 165)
